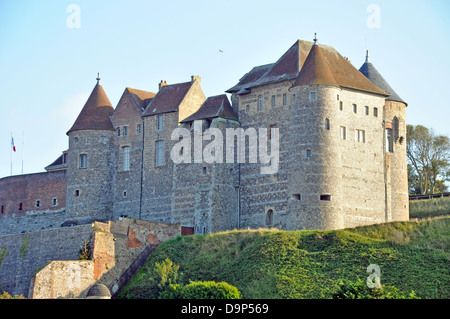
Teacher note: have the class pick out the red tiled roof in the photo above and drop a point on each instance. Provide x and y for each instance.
(289, 65)
(167, 99)
(142, 98)
(315, 70)
(214, 106)
(96, 113)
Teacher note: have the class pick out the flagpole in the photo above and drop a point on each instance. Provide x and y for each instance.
(10, 146)
(22, 150)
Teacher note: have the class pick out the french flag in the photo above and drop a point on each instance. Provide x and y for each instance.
(12, 144)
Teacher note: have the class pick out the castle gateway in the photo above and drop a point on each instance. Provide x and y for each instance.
(332, 139)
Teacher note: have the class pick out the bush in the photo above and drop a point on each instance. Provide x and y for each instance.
(6, 295)
(359, 290)
(201, 290)
(166, 273)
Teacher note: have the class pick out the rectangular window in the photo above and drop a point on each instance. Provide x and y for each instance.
(272, 130)
(355, 108)
(343, 133)
(312, 96)
(366, 110)
(273, 101)
(118, 131)
(375, 111)
(360, 136)
(77, 193)
(3, 209)
(159, 153)
(389, 141)
(308, 153)
(126, 158)
(125, 131)
(83, 161)
(260, 103)
(297, 197)
(54, 201)
(325, 197)
(284, 99)
(159, 122)
(341, 106)
(38, 203)
(138, 129)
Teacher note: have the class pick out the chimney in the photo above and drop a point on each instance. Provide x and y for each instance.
(196, 78)
(161, 84)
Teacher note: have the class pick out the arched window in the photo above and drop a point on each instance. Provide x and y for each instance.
(269, 217)
(327, 124)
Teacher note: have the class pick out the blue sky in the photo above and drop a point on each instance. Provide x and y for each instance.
(47, 70)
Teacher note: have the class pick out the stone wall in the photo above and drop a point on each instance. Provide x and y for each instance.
(24, 254)
(118, 249)
(89, 189)
(260, 193)
(126, 189)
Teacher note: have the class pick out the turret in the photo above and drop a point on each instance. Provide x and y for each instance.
(315, 173)
(89, 173)
(396, 173)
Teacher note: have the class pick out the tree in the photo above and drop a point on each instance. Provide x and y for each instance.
(429, 160)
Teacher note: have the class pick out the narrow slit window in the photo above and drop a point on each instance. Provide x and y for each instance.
(269, 217)
(343, 133)
(327, 124)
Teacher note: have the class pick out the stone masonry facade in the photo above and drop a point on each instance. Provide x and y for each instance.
(335, 168)
(341, 158)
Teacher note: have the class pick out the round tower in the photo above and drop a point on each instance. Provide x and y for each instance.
(396, 166)
(315, 164)
(90, 156)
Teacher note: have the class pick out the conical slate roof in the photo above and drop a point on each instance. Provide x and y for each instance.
(96, 113)
(315, 70)
(375, 77)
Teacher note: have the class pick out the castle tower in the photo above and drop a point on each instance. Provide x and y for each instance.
(315, 164)
(214, 182)
(90, 157)
(397, 199)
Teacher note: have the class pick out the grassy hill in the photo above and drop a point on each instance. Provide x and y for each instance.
(269, 263)
(425, 208)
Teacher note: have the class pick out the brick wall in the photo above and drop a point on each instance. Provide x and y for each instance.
(49, 188)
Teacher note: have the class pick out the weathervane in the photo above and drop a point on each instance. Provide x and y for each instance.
(98, 78)
(315, 38)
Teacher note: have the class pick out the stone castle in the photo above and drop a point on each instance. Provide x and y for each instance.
(341, 158)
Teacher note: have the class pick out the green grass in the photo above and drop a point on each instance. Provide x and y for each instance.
(269, 263)
(429, 207)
